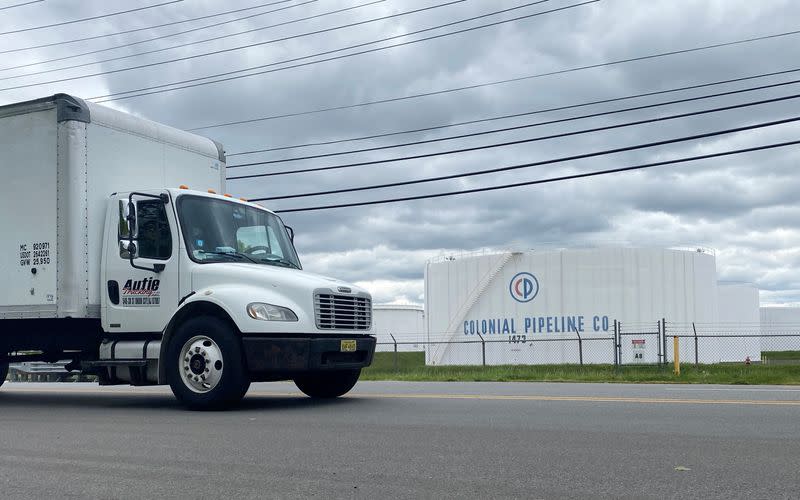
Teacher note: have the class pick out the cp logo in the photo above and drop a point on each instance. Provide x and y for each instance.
(524, 287)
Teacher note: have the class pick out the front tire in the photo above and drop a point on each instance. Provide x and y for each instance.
(328, 384)
(3, 372)
(205, 366)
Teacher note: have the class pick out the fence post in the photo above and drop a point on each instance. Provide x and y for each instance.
(483, 348)
(662, 356)
(664, 334)
(580, 346)
(395, 351)
(696, 350)
(619, 342)
(616, 333)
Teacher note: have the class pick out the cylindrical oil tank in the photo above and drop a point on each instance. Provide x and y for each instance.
(517, 307)
(735, 335)
(780, 330)
(400, 323)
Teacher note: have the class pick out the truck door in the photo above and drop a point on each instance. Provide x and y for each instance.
(141, 298)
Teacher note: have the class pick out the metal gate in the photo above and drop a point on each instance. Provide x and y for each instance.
(639, 343)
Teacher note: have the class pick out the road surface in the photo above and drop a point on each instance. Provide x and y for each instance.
(407, 440)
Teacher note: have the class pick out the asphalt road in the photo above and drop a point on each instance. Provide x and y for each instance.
(397, 439)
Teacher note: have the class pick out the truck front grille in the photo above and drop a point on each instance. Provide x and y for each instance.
(342, 312)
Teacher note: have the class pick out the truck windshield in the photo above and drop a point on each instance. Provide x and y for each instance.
(218, 230)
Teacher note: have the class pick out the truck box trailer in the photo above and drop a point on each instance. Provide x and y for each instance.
(109, 260)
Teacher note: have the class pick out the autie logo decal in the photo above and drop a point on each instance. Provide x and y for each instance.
(141, 293)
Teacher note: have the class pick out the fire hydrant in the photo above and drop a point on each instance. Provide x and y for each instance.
(747, 360)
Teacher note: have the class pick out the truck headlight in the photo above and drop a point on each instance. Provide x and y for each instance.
(269, 312)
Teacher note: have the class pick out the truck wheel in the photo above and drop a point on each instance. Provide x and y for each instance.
(3, 372)
(328, 384)
(205, 366)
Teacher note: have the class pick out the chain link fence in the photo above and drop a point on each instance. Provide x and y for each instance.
(511, 349)
(626, 343)
(730, 343)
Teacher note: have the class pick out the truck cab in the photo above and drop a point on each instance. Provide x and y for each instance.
(221, 279)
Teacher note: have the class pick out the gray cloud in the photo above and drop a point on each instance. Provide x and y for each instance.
(744, 206)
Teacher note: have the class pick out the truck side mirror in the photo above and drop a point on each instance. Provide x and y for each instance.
(290, 232)
(127, 249)
(125, 230)
(130, 218)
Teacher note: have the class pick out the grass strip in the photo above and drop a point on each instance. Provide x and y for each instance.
(411, 367)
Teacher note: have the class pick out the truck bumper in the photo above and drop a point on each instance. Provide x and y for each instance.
(292, 355)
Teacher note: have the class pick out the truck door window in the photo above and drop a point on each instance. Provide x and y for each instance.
(154, 238)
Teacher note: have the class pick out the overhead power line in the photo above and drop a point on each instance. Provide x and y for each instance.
(145, 28)
(521, 141)
(493, 83)
(192, 43)
(102, 16)
(561, 178)
(150, 90)
(232, 49)
(551, 161)
(20, 4)
(147, 40)
(521, 127)
(517, 115)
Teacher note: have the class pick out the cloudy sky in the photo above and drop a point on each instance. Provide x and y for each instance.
(744, 206)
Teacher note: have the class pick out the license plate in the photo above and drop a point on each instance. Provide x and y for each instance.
(348, 346)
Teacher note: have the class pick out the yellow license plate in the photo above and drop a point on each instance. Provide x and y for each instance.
(348, 346)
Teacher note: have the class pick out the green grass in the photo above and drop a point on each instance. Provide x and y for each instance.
(411, 367)
(384, 361)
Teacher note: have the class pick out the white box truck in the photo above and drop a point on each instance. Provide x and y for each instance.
(110, 261)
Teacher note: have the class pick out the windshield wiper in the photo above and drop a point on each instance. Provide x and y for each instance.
(280, 261)
(235, 255)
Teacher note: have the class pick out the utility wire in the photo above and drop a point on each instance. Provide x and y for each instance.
(102, 16)
(514, 115)
(521, 141)
(240, 47)
(20, 4)
(521, 127)
(116, 96)
(146, 28)
(106, 97)
(489, 84)
(200, 28)
(562, 178)
(551, 161)
(187, 44)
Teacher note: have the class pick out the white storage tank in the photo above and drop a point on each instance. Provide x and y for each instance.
(738, 326)
(406, 322)
(780, 327)
(509, 298)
